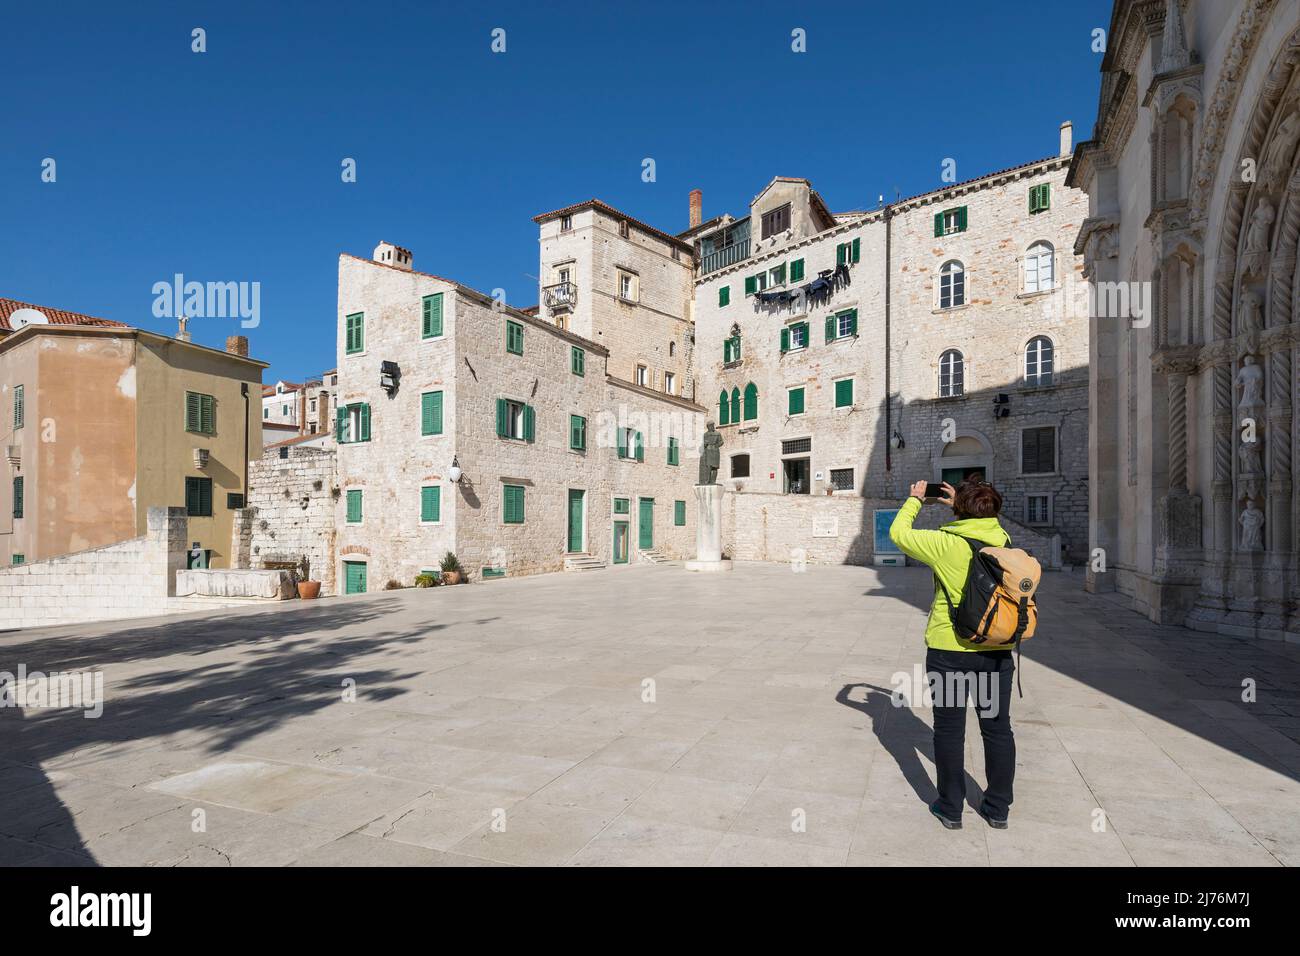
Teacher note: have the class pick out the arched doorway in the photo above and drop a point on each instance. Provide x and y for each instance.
(962, 458)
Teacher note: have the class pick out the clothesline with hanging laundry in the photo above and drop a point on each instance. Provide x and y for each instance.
(816, 292)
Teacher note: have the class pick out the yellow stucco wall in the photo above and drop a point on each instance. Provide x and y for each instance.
(166, 370)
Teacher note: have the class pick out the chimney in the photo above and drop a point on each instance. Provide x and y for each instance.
(182, 333)
(1067, 138)
(697, 207)
(391, 255)
(237, 345)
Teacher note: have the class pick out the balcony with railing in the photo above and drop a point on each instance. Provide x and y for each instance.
(726, 256)
(562, 295)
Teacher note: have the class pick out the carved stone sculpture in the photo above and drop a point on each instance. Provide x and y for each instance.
(1250, 312)
(1255, 255)
(1252, 527)
(1250, 379)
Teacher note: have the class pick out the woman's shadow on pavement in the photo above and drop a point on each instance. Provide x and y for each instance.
(906, 737)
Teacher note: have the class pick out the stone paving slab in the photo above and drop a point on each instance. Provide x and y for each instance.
(639, 717)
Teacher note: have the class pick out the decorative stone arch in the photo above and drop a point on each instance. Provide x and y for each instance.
(969, 449)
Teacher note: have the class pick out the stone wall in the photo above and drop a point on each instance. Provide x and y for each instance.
(291, 513)
(134, 578)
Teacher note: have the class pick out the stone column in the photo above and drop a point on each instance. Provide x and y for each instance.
(708, 530)
(166, 545)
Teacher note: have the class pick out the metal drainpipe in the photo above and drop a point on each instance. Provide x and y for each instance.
(243, 390)
(889, 427)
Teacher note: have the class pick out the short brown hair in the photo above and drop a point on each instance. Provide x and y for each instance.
(976, 498)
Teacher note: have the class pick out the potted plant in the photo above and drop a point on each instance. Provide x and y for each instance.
(426, 581)
(452, 572)
(307, 588)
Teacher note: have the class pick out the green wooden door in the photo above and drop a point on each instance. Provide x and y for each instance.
(575, 520)
(620, 542)
(955, 476)
(354, 575)
(646, 524)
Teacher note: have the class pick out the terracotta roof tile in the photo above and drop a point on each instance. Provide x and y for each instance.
(56, 316)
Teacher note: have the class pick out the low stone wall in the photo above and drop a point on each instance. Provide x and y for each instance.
(290, 514)
(835, 529)
(134, 578)
(237, 583)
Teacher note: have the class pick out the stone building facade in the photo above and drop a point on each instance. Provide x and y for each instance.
(290, 513)
(845, 356)
(624, 285)
(464, 425)
(1190, 242)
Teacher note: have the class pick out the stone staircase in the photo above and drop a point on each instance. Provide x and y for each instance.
(655, 556)
(582, 562)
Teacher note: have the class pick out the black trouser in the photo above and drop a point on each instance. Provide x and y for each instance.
(986, 676)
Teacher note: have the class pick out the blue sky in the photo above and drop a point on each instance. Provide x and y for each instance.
(225, 166)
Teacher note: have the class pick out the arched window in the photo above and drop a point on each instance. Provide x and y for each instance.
(1038, 268)
(751, 402)
(735, 406)
(952, 374)
(952, 284)
(672, 349)
(724, 409)
(1039, 361)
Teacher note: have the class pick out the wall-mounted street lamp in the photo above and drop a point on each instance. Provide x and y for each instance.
(389, 375)
(896, 440)
(454, 473)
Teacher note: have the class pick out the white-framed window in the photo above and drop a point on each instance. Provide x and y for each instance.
(760, 282)
(1040, 361)
(566, 223)
(846, 323)
(642, 376)
(952, 374)
(952, 284)
(1039, 272)
(514, 420)
(1038, 509)
(951, 221)
(627, 286)
(670, 383)
(798, 336)
(776, 275)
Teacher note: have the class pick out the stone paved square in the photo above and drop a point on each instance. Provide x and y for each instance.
(507, 722)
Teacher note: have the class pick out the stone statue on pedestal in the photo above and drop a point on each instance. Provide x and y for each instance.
(1252, 527)
(1251, 381)
(710, 455)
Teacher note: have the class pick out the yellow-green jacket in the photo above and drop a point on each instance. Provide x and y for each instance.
(950, 559)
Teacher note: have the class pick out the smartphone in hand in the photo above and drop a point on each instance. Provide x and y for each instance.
(934, 489)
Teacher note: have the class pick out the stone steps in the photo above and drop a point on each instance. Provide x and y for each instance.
(582, 562)
(655, 556)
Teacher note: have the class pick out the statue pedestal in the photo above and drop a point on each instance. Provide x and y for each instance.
(708, 530)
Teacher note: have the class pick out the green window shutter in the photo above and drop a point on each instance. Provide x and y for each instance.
(356, 332)
(1033, 199)
(191, 411)
(431, 503)
(724, 296)
(679, 513)
(431, 413)
(432, 324)
(844, 393)
(1045, 201)
(735, 405)
(796, 270)
(723, 407)
(785, 339)
(207, 415)
(857, 249)
(340, 423)
(622, 443)
(640, 448)
(673, 456)
(354, 506)
(961, 219)
(365, 423)
(796, 401)
(577, 433)
(530, 423)
(830, 328)
(20, 409)
(938, 224)
(18, 496)
(804, 326)
(751, 285)
(579, 361)
(198, 497)
(840, 251)
(503, 418)
(751, 402)
(514, 337)
(621, 506)
(512, 504)
(853, 321)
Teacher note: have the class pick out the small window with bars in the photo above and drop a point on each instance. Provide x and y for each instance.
(842, 479)
(796, 446)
